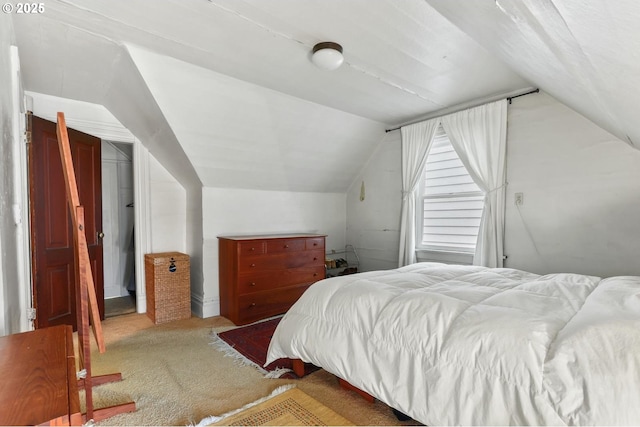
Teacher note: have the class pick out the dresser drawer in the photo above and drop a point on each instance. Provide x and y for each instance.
(259, 305)
(252, 247)
(258, 282)
(280, 261)
(285, 245)
(315, 243)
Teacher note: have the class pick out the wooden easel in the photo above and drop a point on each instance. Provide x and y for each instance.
(86, 301)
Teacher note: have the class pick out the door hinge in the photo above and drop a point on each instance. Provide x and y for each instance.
(31, 313)
(29, 127)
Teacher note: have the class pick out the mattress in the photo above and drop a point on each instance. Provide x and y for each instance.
(449, 344)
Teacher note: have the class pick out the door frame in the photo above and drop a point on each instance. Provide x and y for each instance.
(141, 182)
(21, 216)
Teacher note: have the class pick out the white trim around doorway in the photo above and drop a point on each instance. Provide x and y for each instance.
(106, 127)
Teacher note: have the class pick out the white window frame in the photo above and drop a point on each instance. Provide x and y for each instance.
(420, 197)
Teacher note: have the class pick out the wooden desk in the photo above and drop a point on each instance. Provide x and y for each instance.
(39, 384)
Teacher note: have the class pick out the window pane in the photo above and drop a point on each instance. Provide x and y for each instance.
(453, 203)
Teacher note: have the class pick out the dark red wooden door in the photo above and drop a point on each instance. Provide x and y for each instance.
(51, 232)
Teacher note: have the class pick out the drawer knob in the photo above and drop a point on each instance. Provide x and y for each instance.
(286, 246)
(252, 249)
(253, 304)
(315, 274)
(315, 258)
(315, 244)
(252, 284)
(253, 265)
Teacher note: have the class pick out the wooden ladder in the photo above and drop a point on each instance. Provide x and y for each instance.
(86, 301)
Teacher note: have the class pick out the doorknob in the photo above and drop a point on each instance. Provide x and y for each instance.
(100, 235)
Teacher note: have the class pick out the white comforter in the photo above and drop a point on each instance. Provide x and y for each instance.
(471, 345)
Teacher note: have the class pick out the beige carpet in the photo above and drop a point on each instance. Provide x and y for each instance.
(176, 377)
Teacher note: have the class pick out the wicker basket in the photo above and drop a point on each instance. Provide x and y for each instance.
(168, 286)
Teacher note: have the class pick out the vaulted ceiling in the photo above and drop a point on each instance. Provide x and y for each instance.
(231, 86)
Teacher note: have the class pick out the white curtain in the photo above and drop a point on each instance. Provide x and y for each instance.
(416, 140)
(479, 136)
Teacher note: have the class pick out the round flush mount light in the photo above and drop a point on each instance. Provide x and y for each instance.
(327, 55)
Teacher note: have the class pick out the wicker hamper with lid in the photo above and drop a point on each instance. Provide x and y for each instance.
(168, 286)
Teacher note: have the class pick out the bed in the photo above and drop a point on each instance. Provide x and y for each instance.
(450, 344)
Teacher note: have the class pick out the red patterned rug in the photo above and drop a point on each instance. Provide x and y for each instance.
(249, 345)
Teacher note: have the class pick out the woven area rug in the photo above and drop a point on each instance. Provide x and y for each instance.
(249, 344)
(286, 406)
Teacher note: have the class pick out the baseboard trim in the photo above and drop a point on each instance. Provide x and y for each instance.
(205, 308)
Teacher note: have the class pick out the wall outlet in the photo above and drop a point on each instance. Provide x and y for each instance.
(519, 199)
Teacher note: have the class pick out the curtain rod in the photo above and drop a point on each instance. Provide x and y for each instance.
(508, 98)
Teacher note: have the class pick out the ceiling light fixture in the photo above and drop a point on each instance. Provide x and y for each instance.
(327, 55)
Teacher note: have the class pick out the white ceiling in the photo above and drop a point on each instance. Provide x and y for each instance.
(403, 59)
(584, 53)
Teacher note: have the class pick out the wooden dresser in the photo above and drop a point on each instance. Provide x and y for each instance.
(262, 276)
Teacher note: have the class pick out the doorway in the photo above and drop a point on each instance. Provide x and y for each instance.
(117, 169)
(118, 224)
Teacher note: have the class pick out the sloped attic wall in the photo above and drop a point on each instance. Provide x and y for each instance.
(91, 68)
(580, 186)
(132, 103)
(241, 135)
(269, 162)
(279, 142)
(87, 67)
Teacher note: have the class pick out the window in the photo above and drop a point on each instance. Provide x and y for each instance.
(452, 202)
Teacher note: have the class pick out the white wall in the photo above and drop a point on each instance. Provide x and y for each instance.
(168, 203)
(13, 216)
(373, 225)
(8, 271)
(236, 211)
(581, 189)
